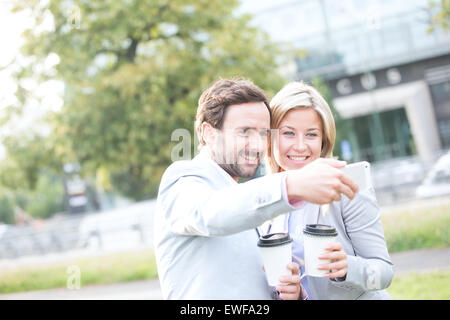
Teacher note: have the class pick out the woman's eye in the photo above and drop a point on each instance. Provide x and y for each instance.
(288, 133)
(311, 135)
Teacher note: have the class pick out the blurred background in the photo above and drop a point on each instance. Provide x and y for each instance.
(91, 93)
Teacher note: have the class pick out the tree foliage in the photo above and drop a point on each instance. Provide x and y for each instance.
(133, 71)
(30, 177)
(441, 16)
(27, 154)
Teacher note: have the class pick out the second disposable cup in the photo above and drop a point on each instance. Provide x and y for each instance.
(315, 239)
(276, 250)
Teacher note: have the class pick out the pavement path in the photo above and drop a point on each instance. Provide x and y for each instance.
(421, 260)
(417, 204)
(409, 261)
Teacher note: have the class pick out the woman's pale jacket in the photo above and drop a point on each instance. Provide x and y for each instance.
(360, 232)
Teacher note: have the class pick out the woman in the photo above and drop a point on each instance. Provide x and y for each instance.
(360, 265)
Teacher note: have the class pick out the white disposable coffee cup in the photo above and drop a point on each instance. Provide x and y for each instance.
(316, 237)
(276, 250)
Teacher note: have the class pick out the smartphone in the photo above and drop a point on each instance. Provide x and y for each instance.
(360, 173)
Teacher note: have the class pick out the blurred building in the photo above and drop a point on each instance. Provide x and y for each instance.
(388, 76)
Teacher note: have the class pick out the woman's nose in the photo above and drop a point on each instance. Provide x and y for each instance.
(300, 144)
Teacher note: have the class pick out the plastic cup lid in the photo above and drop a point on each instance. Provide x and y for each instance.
(274, 239)
(321, 230)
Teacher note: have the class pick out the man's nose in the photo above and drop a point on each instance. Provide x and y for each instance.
(257, 142)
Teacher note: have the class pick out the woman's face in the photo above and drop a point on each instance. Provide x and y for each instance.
(299, 139)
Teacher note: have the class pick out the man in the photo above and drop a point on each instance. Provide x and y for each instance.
(205, 242)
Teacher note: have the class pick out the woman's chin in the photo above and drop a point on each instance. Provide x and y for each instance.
(293, 164)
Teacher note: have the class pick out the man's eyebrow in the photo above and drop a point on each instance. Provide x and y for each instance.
(247, 127)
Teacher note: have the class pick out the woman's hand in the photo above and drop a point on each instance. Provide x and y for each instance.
(290, 287)
(338, 257)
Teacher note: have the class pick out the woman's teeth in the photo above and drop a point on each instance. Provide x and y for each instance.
(297, 158)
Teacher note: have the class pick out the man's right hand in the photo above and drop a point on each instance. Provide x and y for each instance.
(320, 182)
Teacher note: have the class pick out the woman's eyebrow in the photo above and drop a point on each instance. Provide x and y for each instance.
(293, 128)
(288, 127)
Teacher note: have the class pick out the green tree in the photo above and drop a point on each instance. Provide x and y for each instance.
(133, 71)
(26, 154)
(440, 15)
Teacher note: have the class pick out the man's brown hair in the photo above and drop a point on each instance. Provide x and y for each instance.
(213, 102)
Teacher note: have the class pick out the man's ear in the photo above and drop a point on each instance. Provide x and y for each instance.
(209, 133)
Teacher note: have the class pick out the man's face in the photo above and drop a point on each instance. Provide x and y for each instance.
(241, 143)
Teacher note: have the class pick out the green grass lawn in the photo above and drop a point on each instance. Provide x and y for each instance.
(110, 268)
(417, 229)
(421, 286)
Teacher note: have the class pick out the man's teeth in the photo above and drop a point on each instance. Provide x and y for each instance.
(297, 158)
(251, 156)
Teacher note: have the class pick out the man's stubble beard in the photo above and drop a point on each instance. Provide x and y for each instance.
(235, 170)
(230, 164)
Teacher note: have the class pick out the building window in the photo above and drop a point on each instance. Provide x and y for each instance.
(444, 132)
(440, 94)
(381, 136)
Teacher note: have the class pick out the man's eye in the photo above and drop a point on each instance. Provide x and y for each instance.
(244, 132)
(264, 133)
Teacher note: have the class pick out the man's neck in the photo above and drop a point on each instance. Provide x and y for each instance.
(207, 152)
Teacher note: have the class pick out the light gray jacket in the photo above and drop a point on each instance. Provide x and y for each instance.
(205, 244)
(361, 234)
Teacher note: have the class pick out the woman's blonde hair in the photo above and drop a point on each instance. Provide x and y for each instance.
(297, 95)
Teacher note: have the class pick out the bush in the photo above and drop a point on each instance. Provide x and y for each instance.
(6, 210)
(42, 202)
(47, 199)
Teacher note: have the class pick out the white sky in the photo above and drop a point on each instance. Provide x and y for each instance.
(11, 27)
